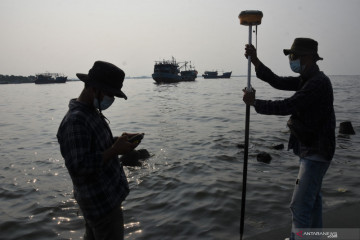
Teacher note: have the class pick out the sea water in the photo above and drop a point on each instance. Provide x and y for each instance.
(191, 186)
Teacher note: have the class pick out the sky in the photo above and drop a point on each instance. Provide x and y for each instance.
(68, 36)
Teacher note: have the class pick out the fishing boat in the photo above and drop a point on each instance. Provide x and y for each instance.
(189, 73)
(45, 78)
(215, 74)
(169, 71)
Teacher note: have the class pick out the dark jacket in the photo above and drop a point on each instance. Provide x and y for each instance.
(312, 105)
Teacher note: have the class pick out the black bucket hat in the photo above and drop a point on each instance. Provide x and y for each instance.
(105, 76)
(304, 46)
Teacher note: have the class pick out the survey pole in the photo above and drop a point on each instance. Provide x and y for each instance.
(247, 18)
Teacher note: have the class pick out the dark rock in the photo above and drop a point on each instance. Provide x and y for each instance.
(278, 147)
(241, 145)
(133, 158)
(143, 153)
(346, 128)
(263, 157)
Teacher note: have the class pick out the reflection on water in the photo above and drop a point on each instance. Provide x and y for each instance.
(191, 186)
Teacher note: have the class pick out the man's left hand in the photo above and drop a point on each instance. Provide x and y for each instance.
(249, 96)
(129, 135)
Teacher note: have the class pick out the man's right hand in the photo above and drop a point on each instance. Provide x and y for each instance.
(123, 146)
(251, 51)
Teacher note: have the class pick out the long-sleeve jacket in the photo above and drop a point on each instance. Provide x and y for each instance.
(99, 186)
(312, 104)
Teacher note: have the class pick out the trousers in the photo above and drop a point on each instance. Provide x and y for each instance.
(306, 202)
(109, 227)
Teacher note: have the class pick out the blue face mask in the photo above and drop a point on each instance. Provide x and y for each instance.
(296, 66)
(105, 103)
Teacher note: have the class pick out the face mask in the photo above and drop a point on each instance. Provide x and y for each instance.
(296, 66)
(105, 103)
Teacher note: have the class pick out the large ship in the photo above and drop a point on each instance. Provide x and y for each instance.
(169, 71)
(215, 74)
(44, 78)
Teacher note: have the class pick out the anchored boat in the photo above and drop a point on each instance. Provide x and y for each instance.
(215, 74)
(45, 78)
(189, 73)
(169, 71)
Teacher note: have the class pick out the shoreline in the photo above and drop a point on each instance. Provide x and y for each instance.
(341, 217)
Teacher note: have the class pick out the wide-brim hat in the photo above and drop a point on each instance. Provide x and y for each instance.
(105, 76)
(304, 46)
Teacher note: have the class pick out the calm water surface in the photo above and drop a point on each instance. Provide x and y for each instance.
(191, 186)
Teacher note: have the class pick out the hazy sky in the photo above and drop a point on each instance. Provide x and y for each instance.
(67, 36)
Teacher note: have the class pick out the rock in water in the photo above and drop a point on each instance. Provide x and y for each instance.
(240, 145)
(263, 157)
(143, 153)
(278, 147)
(346, 128)
(133, 158)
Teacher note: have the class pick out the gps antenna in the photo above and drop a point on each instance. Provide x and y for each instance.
(248, 18)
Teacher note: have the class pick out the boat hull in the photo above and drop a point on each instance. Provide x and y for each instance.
(213, 76)
(226, 75)
(189, 75)
(50, 81)
(47, 79)
(166, 77)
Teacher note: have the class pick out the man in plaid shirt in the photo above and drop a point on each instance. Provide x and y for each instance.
(91, 152)
(312, 124)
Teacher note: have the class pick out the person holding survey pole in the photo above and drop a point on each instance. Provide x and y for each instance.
(91, 152)
(312, 125)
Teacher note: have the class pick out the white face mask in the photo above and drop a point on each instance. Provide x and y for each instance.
(105, 103)
(295, 66)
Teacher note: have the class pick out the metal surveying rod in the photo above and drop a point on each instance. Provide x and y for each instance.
(248, 18)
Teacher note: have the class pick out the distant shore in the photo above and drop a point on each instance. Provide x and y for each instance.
(11, 79)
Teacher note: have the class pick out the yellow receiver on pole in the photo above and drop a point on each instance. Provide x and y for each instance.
(250, 17)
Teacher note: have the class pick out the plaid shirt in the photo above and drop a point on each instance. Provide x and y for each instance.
(312, 104)
(83, 136)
